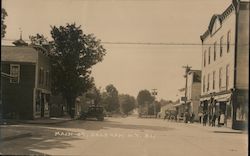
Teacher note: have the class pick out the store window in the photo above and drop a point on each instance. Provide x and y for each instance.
(241, 109)
(38, 101)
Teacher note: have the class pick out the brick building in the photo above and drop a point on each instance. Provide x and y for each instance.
(225, 62)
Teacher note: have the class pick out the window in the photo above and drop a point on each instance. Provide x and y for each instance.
(205, 53)
(221, 46)
(213, 79)
(204, 84)
(15, 72)
(228, 40)
(209, 54)
(47, 78)
(227, 76)
(208, 77)
(41, 76)
(220, 73)
(215, 44)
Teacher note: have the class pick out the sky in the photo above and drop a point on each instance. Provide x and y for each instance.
(129, 67)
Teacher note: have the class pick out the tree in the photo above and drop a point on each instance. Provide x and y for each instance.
(3, 25)
(95, 95)
(144, 96)
(110, 99)
(72, 55)
(127, 103)
(40, 42)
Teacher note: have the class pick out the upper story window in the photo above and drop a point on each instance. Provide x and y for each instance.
(227, 76)
(208, 79)
(209, 55)
(215, 46)
(41, 76)
(205, 53)
(47, 83)
(204, 79)
(228, 40)
(15, 72)
(220, 77)
(221, 46)
(213, 79)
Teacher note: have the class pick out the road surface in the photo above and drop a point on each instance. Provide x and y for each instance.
(129, 136)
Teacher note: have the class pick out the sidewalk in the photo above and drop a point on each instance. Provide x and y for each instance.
(217, 129)
(52, 120)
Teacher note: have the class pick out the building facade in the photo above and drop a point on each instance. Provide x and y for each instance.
(193, 92)
(225, 61)
(27, 95)
(180, 104)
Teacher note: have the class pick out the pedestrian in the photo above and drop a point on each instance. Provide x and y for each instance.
(213, 120)
(200, 116)
(192, 117)
(222, 119)
(205, 116)
(210, 119)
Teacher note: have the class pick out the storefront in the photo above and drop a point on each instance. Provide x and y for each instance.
(42, 99)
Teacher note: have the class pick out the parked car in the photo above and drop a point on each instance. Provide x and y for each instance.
(93, 112)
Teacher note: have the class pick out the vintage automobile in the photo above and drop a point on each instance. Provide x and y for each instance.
(93, 112)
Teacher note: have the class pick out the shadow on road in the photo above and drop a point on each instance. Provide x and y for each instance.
(40, 139)
(99, 125)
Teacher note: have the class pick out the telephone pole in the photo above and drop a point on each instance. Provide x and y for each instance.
(187, 69)
(154, 93)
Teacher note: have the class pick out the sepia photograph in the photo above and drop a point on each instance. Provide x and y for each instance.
(124, 77)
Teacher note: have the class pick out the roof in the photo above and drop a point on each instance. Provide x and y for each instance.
(220, 18)
(19, 54)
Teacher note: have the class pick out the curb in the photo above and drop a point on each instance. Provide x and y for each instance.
(46, 123)
(34, 122)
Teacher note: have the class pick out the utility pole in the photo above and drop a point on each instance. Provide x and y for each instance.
(187, 69)
(154, 93)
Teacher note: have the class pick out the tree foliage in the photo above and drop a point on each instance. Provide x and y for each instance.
(3, 25)
(127, 103)
(110, 99)
(40, 42)
(144, 96)
(73, 53)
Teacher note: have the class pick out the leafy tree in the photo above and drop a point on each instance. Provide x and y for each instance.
(41, 43)
(127, 103)
(95, 95)
(3, 25)
(110, 99)
(144, 96)
(72, 54)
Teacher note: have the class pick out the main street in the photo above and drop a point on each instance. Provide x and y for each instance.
(129, 136)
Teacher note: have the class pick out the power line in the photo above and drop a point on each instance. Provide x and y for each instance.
(150, 43)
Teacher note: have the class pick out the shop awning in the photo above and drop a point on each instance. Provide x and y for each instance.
(225, 97)
(179, 104)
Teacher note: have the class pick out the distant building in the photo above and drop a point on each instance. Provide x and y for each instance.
(225, 61)
(193, 92)
(180, 104)
(167, 107)
(27, 95)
